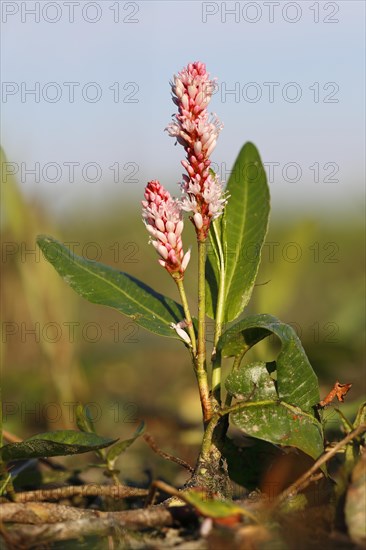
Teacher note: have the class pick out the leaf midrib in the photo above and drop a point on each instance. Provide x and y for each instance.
(79, 261)
(244, 217)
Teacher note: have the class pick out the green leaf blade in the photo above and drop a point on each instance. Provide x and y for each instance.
(120, 447)
(276, 401)
(281, 424)
(251, 382)
(103, 285)
(297, 383)
(57, 443)
(246, 222)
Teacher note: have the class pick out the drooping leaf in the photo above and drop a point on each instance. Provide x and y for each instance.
(120, 447)
(275, 401)
(296, 382)
(244, 227)
(213, 508)
(101, 284)
(57, 443)
(281, 424)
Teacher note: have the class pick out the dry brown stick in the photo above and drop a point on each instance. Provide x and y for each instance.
(36, 536)
(46, 512)
(12, 438)
(302, 481)
(42, 512)
(113, 491)
(151, 442)
(84, 523)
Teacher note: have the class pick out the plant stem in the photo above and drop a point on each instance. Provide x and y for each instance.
(208, 436)
(200, 362)
(6, 482)
(216, 377)
(187, 314)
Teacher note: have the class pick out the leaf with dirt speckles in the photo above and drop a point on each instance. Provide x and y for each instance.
(296, 381)
(57, 443)
(281, 424)
(276, 400)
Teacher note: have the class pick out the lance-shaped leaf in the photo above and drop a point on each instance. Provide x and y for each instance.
(244, 227)
(120, 447)
(296, 382)
(101, 284)
(214, 266)
(57, 443)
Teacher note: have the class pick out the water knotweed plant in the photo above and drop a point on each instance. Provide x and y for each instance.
(273, 401)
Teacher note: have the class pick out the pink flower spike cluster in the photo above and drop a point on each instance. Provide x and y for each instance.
(197, 131)
(163, 219)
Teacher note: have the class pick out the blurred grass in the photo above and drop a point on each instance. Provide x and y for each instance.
(311, 276)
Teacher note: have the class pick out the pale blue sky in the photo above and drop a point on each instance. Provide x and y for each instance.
(325, 60)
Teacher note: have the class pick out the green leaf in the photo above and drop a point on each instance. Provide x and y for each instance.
(360, 416)
(58, 443)
(296, 382)
(252, 381)
(101, 284)
(281, 424)
(275, 401)
(213, 508)
(83, 419)
(115, 451)
(245, 222)
(213, 266)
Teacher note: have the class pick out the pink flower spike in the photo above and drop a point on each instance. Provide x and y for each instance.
(197, 131)
(163, 219)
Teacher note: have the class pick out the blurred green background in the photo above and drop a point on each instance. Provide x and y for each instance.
(57, 349)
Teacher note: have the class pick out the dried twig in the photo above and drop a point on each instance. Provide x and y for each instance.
(46, 512)
(151, 442)
(304, 480)
(113, 491)
(39, 523)
(40, 513)
(12, 438)
(24, 537)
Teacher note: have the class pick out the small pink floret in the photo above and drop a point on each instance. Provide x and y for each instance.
(163, 219)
